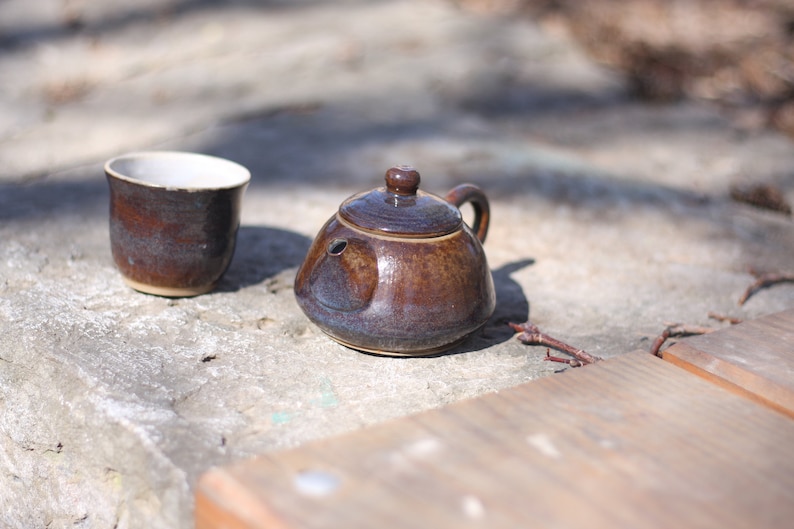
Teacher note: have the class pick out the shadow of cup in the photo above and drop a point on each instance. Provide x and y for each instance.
(263, 252)
(173, 219)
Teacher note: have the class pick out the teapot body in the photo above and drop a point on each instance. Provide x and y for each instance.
(396, 271)
(395, 295)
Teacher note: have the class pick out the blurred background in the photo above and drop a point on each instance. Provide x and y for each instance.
(83, 80)
(736, 53)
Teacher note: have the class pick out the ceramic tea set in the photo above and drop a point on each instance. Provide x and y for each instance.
(395, 271)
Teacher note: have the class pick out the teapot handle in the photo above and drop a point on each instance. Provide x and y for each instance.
(463, 193)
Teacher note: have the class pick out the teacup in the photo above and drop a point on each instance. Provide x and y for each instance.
(173, 219)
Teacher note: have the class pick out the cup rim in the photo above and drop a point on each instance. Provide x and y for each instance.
(243, 179)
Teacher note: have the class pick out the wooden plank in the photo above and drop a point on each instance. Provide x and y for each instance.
(631, 442)
(754, 359)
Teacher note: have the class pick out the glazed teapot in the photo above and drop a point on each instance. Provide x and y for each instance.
(396, 271)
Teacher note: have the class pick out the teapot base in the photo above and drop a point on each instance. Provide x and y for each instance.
(418, 353)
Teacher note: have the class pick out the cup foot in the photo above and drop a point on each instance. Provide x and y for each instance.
(168, 292)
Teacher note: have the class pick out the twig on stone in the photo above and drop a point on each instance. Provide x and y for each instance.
(677, 329)
(532, 335)
(763, 280)
(573, 362)
(723, 317)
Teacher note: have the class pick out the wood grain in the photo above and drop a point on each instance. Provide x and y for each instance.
(630, 442)
(754, 359)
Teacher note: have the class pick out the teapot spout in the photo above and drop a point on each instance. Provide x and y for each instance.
(345, 275)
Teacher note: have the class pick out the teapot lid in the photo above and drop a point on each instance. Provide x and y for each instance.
(401, 209)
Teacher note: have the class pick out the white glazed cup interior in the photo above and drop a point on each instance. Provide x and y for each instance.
(178, 170)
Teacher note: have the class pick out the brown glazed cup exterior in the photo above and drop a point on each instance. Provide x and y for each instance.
(173, 219)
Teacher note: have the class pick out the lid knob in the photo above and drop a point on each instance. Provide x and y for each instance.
(402, 180)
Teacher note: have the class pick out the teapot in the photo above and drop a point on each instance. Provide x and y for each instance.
(396, 271)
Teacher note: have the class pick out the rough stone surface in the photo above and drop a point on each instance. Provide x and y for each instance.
(610, 218)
